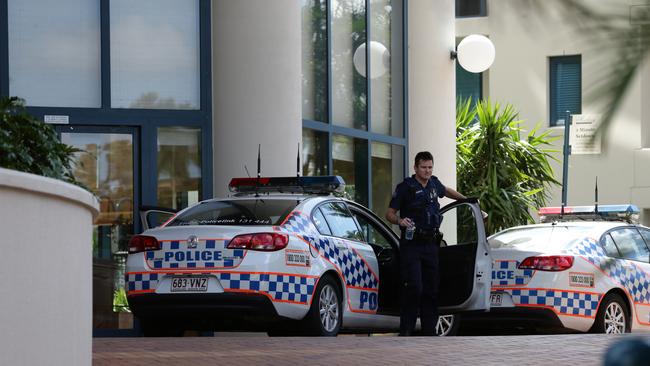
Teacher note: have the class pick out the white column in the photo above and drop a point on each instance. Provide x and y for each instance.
(256, 65)
(432, 88)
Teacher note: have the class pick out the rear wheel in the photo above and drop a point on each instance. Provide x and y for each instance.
(326, 313)
(447, 325)
(612, 316)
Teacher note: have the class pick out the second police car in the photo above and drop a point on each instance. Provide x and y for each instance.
(589, 271)
(286, 256)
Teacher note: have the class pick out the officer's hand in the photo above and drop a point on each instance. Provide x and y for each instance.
(405, 222)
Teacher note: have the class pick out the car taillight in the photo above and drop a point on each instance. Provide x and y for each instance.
(548, 263)
(260, 241)
(142, 243)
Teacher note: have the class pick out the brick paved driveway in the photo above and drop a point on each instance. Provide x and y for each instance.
(574, 349)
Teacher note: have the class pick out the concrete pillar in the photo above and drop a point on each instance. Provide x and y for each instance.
(432, 85)
(256, 59)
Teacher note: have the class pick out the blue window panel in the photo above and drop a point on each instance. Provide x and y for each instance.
(468, 84)
(565, 87)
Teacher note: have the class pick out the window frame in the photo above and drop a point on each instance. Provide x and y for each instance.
(552, 83)
(375, 222)
(482, 11)
(347, 209)
(146, 121)
(623, 228)
(331, 128)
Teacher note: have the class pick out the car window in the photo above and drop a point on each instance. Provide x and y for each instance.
(371, 231)
(610, 247)
(630, 244)
(320, 223)
(646, 235)
(459, 226)
(538, 238)
(248, 212)
(340, 222)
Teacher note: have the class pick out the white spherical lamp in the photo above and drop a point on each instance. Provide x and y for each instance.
(475, 53)
(379, 59)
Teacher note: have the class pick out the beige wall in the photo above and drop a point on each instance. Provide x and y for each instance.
(524, 42)
(256, 87)
(432, 85)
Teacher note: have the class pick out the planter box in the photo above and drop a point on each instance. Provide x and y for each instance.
(45, 271)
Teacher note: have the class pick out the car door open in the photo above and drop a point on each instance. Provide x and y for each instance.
(465, 261)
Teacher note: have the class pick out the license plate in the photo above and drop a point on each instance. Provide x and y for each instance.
(496, 298)
(189, 284)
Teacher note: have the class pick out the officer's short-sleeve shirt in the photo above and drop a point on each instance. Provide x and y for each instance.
(403, 197)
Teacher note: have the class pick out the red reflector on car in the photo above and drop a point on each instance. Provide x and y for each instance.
(142, 243)
(260, 241)
(547, 263)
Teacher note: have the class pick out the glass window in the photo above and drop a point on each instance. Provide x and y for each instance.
(468, 84)
(386, 67)
(646, 235)
(314, 152)
(630, 244)
(237, 212)
(350, 161)
(565, 87)
(459, 226)
(321, 224)
(179, 166)
(155, 54)
(470, 8)
(54, 53)
(610, 247)
(339, 220)
(538, 238)
(314, 60)
(371, 231)
(349, 89)
(387, 172)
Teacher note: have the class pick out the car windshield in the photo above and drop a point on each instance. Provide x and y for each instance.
(251, 212)
(538, 238)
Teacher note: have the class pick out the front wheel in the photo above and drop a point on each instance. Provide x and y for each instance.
(447, 325)
(326, 313)
(612, 316)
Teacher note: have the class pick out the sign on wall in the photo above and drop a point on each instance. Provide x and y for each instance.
(583, 137)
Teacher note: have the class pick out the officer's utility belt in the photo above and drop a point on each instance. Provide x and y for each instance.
(428, 236)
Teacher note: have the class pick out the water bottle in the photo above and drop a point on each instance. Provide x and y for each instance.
(410, 230)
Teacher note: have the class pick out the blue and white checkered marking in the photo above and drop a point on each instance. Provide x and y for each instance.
(624, 272)
(281, 287)
(208, 254)
(520, 277)
(141, 281)
(564, 302)
(355, 271)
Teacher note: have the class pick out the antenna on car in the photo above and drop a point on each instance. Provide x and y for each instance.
(259, 169)
(596, 197)
(298, 162)
(246, 169)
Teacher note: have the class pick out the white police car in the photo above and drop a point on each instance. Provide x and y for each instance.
(286, 256)
(586, 274)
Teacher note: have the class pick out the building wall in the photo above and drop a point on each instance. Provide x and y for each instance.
(524, 41)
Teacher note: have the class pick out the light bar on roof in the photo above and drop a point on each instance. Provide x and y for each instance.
(315, 185)
(605, 212)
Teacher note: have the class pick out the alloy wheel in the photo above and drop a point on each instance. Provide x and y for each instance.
(444, 325)
(614, 319)
(328, 307)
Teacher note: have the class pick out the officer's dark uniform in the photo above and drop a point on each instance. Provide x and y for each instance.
(419, 257)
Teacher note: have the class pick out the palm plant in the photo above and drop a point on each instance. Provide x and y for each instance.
(510, 176)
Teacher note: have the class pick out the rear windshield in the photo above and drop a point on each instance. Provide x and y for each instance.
(237, 212)
(538, 238)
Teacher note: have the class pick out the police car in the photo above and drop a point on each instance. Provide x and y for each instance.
(288, 256)
(589, 271)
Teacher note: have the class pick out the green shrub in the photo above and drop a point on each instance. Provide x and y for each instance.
(31, 146)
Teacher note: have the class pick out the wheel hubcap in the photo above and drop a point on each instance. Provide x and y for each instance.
(328, 306)
(445, 323)
(614, 319)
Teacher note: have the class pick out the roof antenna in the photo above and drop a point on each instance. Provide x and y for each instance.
(596, 194)
(298, 162)
(259, 162)
(246, 169)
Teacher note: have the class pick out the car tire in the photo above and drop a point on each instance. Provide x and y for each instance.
(151, 328)
(326, 312)
(447, 325)
(612, 316)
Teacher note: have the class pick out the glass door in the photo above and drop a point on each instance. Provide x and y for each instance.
(106, 165)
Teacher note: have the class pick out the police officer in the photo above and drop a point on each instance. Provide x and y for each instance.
(416, 200)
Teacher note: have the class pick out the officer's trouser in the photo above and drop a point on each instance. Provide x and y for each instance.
(419, 267)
